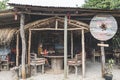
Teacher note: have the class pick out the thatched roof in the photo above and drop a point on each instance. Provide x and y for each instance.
(56, 23)
(6, 35)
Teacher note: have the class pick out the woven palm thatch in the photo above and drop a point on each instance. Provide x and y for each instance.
(6, 35)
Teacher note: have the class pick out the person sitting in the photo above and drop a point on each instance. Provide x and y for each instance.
(42, 52)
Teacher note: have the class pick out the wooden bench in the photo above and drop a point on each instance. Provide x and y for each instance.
(37, 62)
(77, 61)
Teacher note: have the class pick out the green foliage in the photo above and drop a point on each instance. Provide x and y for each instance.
(109, 66)
(3, 4)
(116, 40)
(102, 4)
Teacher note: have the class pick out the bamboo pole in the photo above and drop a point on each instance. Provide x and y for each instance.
(71, 44)
(17, 50)
(29, 47)
(22, 34)
(83, 54)
(65, 48)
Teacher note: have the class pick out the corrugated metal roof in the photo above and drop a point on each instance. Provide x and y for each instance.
(54, 3)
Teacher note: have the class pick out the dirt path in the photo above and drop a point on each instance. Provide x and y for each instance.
(8, 75)
(93, 72)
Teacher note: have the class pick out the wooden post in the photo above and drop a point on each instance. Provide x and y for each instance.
(56, 24)
(71, 44)
(17, 50)
(102, 59)
(29, 47)
(83, 54)
(22, 34)
(65, 48)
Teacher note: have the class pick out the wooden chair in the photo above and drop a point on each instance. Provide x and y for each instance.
(77, 61)
(37, 62)
(117, 56)
(96, 56)
(4, 63)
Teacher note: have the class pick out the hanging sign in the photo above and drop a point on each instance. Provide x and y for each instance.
(103, 27)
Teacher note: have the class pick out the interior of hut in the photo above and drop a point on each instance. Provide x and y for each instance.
(53, 42)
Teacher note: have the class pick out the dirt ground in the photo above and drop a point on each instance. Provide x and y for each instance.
(8, 75)
(93, 72)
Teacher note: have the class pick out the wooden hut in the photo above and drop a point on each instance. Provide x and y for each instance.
(57, 24)
(34, 18)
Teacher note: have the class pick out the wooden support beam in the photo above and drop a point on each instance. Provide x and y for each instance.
(65, 48)
(22, 35)
(81, 26)
(58, 14)
(59, 29)
(41, 23)
(83, 54)
(71, 44)
(29, 47)
(56, 24)
(17, 50)
(102, 60)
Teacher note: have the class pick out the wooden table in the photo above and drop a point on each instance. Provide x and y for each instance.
(56, 62)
